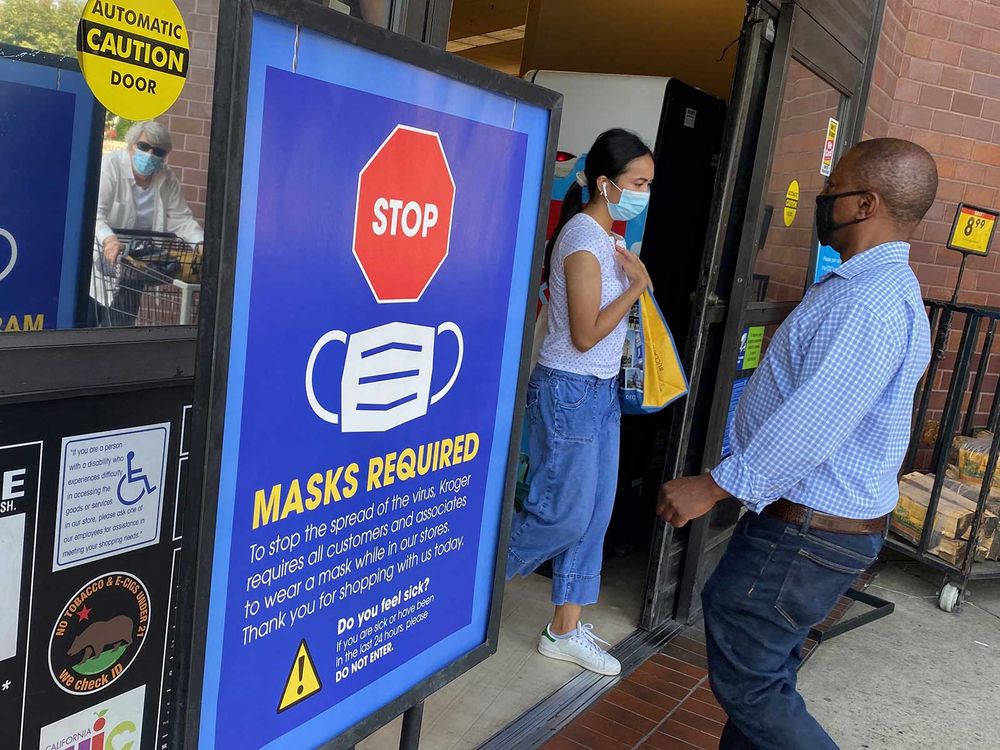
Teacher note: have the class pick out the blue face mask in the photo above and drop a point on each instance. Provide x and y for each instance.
(146, 164)
(631, 204)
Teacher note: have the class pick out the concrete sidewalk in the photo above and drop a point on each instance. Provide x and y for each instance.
(918, 679)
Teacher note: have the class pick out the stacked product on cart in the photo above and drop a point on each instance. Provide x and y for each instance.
(956, 514)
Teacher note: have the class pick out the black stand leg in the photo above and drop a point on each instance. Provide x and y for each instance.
(879, 608)
(409, 737)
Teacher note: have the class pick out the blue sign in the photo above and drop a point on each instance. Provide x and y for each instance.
(387, 226)
(45, 136)
(827, 260)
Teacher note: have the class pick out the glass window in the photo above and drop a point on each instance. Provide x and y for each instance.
(781, 269)
(375, 12)
(103, 217)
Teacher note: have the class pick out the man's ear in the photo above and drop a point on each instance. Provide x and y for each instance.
(868, 205)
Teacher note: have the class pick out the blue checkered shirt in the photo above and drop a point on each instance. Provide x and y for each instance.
(825, 421)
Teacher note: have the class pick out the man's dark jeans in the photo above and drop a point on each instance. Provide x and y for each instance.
(773, 584)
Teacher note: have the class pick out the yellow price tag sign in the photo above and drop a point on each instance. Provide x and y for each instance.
(134, 55)
(973, 229)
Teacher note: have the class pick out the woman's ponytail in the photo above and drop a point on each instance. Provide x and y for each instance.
(572, 205)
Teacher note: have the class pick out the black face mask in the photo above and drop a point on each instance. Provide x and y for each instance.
(825, 225)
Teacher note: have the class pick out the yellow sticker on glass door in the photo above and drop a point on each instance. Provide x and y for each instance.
(134, 55)
(791, 202)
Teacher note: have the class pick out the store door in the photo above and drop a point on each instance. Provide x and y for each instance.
(799, 101)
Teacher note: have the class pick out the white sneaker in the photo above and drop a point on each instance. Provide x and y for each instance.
(580, 648)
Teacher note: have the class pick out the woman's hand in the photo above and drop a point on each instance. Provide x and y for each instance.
(112, 249)
(634, 268)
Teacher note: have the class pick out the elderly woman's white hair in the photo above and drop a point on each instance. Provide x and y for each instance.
(155, 134)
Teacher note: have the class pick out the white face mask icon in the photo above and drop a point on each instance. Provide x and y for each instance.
(387, 375)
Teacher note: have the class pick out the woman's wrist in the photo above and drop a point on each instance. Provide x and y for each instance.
(638, 286)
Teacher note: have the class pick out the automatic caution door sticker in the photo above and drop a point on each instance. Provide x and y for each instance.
(134, 55)
(99, 633)
(791, 202)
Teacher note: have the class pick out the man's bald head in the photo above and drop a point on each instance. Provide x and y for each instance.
(902, 173)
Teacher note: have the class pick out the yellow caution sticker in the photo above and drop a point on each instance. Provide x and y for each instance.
(134, 55)
(303, 680)
(973, 229)
(791, 202)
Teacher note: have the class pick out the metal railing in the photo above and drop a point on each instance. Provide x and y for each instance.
(963, 405)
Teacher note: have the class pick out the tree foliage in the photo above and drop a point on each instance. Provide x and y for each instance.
(46, 25)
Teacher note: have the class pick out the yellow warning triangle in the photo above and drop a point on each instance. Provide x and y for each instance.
(303, 681)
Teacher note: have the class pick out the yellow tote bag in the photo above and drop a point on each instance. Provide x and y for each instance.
(651, 376)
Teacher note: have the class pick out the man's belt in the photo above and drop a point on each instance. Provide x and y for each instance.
(789, 512)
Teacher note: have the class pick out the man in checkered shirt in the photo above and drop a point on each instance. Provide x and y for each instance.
(819, 437)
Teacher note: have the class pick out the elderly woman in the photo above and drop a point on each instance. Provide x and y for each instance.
(138, 192)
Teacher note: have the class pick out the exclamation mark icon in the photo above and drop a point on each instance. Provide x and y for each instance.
(303, 681)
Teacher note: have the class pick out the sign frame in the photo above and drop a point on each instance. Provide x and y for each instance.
(236, 22)
(954, 227)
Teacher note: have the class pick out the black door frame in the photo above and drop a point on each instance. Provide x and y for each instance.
(724, 303)
(426, 21)
(773, 30)
(709, 310)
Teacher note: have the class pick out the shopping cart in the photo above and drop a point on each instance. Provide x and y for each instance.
(155, 281)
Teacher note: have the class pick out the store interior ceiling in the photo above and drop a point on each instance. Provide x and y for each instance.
(491, 32)
(678, 38)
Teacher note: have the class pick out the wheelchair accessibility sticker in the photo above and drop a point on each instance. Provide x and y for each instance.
(134, 483)
(110, 493)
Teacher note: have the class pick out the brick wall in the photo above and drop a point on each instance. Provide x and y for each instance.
(946, 97)
(888, 65)
(937, 83)
(190, 119)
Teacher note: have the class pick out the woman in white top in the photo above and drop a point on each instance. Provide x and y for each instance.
(138, 192)
(572, 407)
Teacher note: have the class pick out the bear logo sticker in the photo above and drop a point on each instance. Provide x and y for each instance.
(99, 633)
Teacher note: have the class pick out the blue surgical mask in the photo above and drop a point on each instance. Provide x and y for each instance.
(146, 164)
(631, 204)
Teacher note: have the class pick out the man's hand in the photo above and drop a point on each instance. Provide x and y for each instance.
(687, 498)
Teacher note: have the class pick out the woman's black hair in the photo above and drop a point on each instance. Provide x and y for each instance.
(610, 156)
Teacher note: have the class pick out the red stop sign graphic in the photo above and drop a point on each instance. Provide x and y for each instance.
(402, 227)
